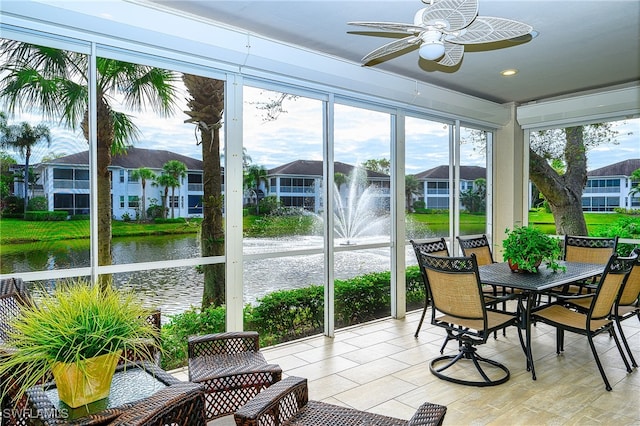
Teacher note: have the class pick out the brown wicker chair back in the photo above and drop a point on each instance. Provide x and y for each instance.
(13, 295)
(287, 403)
(477, 245)
(436, 247)
(231, 368)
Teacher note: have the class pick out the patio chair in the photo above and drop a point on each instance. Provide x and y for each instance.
(287, 403)
(587, 250)
(231, 368)
(13, 296)
(437, 247)
(476, 245)
(459, 307)
(177, 405)
(153, 352)
(626, 306)
(597, 319)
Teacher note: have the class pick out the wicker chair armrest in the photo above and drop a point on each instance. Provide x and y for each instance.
(277, 403)
(217, 343)
(428, 414)
(180, 404)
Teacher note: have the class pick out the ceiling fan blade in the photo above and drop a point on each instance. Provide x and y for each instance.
(389, 48)
(454, 14)
(486, 29)
(392, 26)
(452, 54)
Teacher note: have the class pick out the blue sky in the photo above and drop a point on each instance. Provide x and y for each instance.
(297, 134)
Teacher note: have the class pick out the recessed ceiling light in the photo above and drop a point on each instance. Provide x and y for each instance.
(509, 72)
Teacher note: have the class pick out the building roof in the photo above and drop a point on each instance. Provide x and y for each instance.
(622, 168)
(134, 159)
(314, 168)
(442, 172)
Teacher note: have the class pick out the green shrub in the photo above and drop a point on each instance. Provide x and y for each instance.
(169, 220)
(285, 315)
(189, 323)
(625, 227)
(80, 217)
(13, 205)
(45, 216)
(37, 204)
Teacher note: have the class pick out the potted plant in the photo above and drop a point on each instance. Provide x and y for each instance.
(526, 247)
(77, 333)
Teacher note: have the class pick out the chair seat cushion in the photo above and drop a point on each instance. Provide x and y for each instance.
(563, 316)
(212, 367)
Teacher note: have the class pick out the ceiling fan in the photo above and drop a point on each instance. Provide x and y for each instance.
(443, 28)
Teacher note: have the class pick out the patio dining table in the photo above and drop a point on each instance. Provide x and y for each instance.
(534, 284)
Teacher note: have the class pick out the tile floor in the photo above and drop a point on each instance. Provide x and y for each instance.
(380, 367)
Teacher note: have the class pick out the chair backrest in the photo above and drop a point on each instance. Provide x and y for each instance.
(436, 247)
(477, 245)
(611, 282)
(454, 285)
(589, 249)
(13, 296)
(631, 290)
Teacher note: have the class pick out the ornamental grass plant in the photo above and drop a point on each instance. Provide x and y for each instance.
(76, 322)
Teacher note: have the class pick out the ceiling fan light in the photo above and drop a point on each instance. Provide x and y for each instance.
(431, 50)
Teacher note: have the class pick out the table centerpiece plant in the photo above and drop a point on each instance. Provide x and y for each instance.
(526, 248)
(76, 333)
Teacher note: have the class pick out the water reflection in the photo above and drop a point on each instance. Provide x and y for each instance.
(174, 290)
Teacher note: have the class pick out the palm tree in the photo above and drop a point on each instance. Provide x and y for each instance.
(22, 138)
(635, 183)
(166, 181)
(252, 178)
(144, 174)
(56, 81)
(411, 188)
(177, 170)
(206, 106)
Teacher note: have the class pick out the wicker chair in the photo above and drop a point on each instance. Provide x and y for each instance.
(177, 405)
(152, 352)
(13, 296)
(587, 250)
(459, 307)
(437, 247)
(597, 319)
(287, 403)
(231, 368)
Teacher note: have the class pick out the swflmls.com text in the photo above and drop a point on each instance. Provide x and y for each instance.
(43, 413)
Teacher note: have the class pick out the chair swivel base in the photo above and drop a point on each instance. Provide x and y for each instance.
(468, 352)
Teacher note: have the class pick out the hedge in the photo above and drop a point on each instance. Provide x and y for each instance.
(285, 315)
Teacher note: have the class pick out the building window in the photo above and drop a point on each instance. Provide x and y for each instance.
(131, 177)
(122, 201)
(134, 201)
(438, 188)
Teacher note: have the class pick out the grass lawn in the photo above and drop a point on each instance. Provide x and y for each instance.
(14, 231)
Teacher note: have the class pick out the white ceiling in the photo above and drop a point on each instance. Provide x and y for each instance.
(581, 45)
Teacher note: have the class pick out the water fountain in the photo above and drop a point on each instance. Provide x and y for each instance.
(361, 212)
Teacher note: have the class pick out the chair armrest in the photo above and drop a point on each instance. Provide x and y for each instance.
(179, 404)
(277, 403)
(223, 343)
(428, 414)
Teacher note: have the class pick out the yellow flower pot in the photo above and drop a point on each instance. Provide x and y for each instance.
(87, 381)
